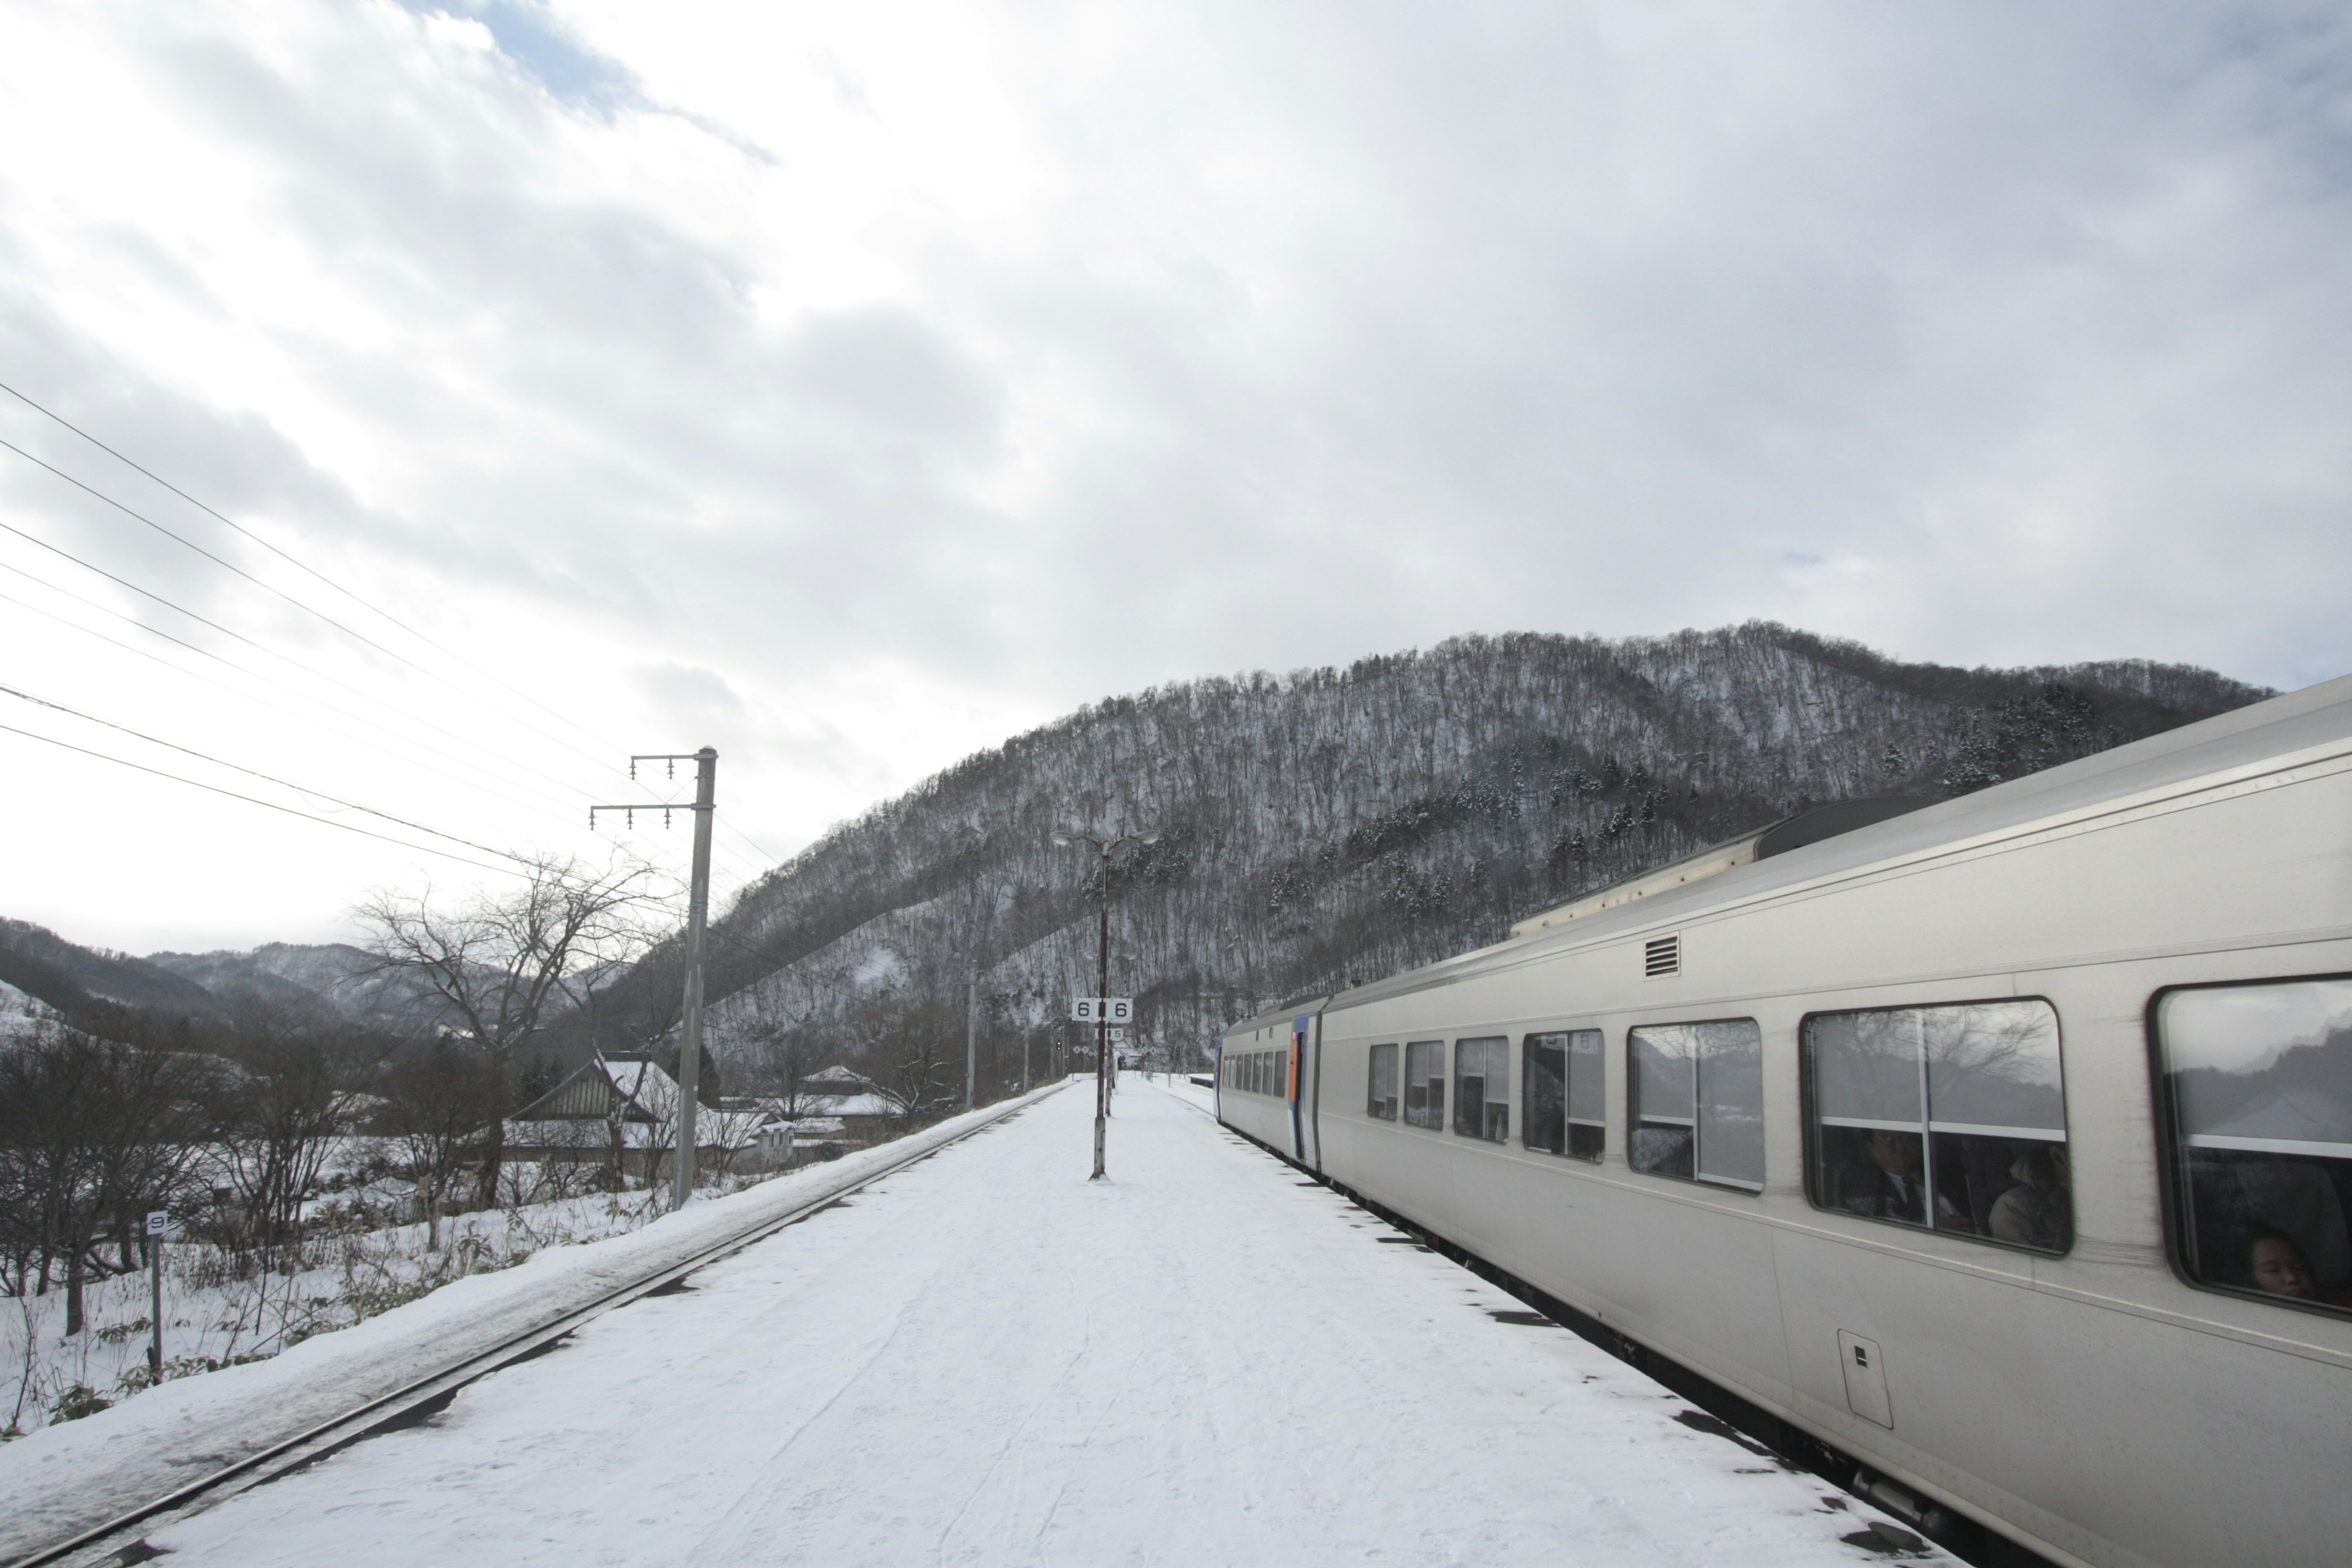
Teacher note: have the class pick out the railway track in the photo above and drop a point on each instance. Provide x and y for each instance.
(119, 1538)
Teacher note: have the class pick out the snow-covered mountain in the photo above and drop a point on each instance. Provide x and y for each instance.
(210, 987)
(1331, 826)
(22, 1017)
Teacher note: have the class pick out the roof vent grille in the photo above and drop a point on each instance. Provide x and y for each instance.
(1661, 956)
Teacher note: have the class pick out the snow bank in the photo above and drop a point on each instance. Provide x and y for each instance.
(69, 1475)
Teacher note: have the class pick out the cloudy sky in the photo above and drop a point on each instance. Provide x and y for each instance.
(849, 387)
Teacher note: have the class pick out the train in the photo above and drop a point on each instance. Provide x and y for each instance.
(1999, 1145)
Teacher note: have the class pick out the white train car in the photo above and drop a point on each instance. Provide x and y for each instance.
(2004, 1145)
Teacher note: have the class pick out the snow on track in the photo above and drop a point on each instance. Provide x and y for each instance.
(987, 1359)
(69, 1476)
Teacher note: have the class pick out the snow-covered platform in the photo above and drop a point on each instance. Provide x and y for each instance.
(987, 1359)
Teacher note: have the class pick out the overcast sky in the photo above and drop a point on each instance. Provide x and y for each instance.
(850, 387)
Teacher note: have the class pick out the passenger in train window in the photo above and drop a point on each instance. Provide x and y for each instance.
(2258, 1082)
(2039, 1211)
(1893, 1184)
(1662, 1151)
(1892, 1187)
(1943, 1116)
(2276, 1267)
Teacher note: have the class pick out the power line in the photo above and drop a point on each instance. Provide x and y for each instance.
(272, 707)
(240, 636)
(255, 800)
(302, 565)
(266, 588)
(749, 873)
(137, 625)
(253, 773)
(313, 571)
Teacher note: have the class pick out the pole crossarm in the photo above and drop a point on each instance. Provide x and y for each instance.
(629, 810)
(697, 908)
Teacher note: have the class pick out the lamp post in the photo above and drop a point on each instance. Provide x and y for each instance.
(1107, 848)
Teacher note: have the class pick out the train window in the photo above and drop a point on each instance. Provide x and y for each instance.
(1696, 1101)
(1380, 1084)
(2258, 1090)
(1559, 1080)
(1949, 1117)
(1425, 1083)
(1482, 1089)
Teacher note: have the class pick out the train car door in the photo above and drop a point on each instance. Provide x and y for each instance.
(1302, 1033)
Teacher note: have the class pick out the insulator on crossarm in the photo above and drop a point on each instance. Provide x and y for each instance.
(633, 767)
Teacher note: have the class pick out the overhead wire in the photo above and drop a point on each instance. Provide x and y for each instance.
(255, 800)
(255, 773)
(305, 567)
(288, 658)
(568, 804)
(272, 707)
(747, 873)
(300, 565)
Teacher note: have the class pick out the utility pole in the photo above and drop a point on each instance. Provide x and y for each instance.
(1107, 847)
(970, 1033)
(1102, 1025)
(698, 911)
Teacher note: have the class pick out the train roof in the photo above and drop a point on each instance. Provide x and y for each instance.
(1281, 1016)
(2310, 725)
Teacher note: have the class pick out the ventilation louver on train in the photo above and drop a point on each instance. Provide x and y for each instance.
(1661, 956)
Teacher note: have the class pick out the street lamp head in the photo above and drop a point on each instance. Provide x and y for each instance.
(1151, 838)
(1064, 838)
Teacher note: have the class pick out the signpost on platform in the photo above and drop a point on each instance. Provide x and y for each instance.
(159, 1225)
(1099, 1002)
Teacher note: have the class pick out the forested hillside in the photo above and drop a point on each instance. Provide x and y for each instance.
(1332, 826)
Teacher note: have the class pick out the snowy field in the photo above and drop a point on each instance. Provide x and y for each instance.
(985, 1358)
(212, 1318)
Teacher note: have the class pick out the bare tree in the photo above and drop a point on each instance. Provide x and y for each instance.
(502, 963)
(93, 1134)
(278, 1117)
(437, 1096)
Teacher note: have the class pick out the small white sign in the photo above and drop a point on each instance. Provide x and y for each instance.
(1102, 1009)
(1118, 1036)
(159, 1222)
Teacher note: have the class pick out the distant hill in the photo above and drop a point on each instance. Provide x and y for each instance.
(1332, 826)
(82, 982)
(333, 975)
(70, 977)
